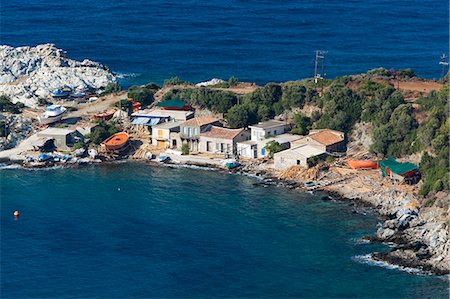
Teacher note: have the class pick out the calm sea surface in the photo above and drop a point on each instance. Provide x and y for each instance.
(132, 230)
(149, 40)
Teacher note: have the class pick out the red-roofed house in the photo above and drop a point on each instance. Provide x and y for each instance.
(190, 130)
(328, 140)
(222, 140)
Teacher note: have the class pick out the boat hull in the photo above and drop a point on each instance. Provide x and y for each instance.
(116, 143)
(50, 119)
(104, 116)
(362, 164)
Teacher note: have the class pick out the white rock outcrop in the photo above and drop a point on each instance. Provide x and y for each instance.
(29, 73)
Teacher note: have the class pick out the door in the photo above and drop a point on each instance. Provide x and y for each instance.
(160, 144)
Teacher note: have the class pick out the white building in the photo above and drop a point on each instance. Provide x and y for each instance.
(297, 156)
(165, 135)
(266, 129)
(255, 149)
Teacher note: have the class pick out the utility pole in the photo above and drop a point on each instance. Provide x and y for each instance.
(444, 64)
(320, 55)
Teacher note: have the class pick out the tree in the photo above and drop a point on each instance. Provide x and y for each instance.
(7, 106)
(273, 147)
(293, 95)
(141, 94)
(103, 130)
(302, 124)
(238, 116)
(233, 81)
(111, 87)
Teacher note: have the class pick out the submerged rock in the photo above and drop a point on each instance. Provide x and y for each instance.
(30, 73)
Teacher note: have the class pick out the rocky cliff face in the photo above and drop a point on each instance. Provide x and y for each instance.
(29, 73)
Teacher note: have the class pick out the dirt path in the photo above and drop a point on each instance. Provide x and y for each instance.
(102, 104)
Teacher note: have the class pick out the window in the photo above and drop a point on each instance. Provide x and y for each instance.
(160, 133)
(275, 132)
(217, 147)
(189, 132)
(185, 130)
(195, 131)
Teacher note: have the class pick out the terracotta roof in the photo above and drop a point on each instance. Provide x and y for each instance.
(223, 133)
(200, 121)
(327, 137)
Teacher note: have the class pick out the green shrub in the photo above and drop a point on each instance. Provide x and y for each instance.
(185, 149)
(7, 106)
(273, 147)
(111, 87)
(103, 130)
(78, 145)
(233, 81)
(302, 124)
(175, 81)
(3, 129)
(141, 94)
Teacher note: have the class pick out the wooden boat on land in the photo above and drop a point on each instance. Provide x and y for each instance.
(105, 115)
(362, 164)
(116, 142)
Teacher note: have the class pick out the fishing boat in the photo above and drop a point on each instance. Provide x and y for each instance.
(52, 114)
(105, 115)
(163, 158)
(60, 93)
(116, 142)
(362, 164)
(78, 95)
(230, 163)
(44, 157)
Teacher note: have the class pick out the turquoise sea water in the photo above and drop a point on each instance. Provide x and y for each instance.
(133, 230)
(264, 40)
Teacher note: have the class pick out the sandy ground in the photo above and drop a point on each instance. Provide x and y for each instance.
(102, 104)
(422, 86)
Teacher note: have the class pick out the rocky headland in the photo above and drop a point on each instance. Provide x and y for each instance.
(30, 73)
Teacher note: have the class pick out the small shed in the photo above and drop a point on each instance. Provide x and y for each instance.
(297, 156)
(397, 170)
(63, 138)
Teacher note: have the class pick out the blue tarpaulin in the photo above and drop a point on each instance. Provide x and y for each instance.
(146, 121)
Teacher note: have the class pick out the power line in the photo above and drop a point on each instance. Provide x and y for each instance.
(320, 59)
(444, 64)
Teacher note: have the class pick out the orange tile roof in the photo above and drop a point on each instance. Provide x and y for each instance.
(200, 121)
(326, 137)
(223, 133)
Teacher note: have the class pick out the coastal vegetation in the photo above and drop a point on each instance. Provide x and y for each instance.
(103, 130)
(345, 101)
(185, 149)
(7, 106)
(217, 101)
(175, 81)
(111, 87)
(273, 147)
(142, 94)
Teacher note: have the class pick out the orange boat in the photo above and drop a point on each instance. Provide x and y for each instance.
(104, 115)
(116, 142)
(362, 164)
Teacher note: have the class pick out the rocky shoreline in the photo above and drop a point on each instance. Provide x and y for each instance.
(30, 73)
(415, 240)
